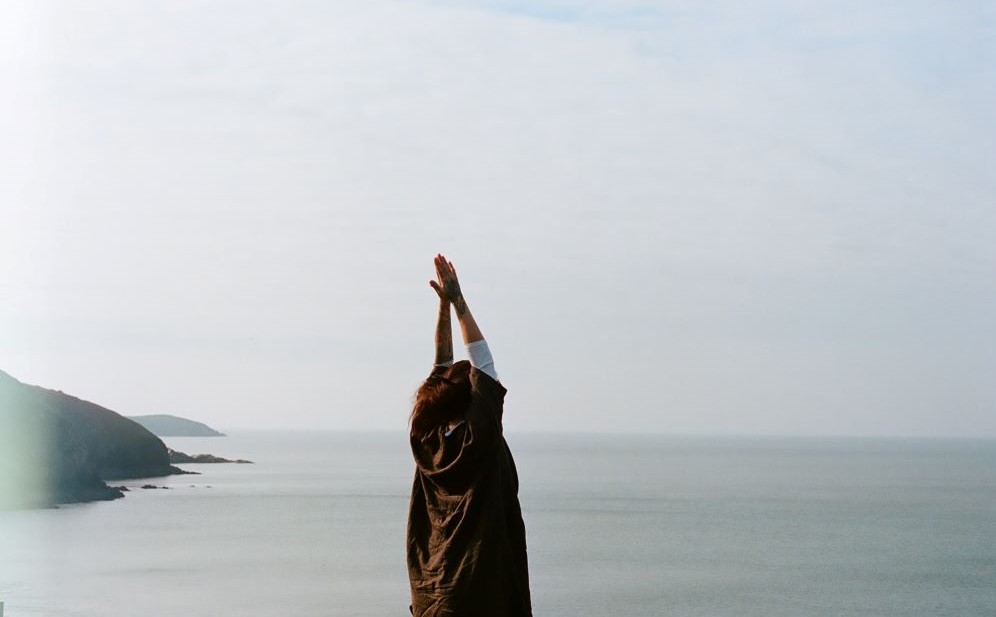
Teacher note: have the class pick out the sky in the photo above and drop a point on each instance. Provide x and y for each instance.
(771, 218)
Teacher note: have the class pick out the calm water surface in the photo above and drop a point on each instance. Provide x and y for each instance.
(617, 525)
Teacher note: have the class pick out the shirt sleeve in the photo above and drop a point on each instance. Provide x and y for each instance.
(480, 358)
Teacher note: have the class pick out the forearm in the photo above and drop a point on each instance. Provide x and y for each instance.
(444, 336)
(468, 326)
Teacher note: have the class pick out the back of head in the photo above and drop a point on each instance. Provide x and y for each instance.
(442, 398)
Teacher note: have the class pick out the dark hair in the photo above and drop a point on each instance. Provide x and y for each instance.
(441, 398)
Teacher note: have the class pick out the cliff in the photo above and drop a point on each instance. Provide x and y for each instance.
(165, 425)
(56, 448)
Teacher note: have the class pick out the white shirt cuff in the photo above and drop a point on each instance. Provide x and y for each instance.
(480, 357)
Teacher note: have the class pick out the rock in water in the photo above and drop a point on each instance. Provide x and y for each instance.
(179, 458)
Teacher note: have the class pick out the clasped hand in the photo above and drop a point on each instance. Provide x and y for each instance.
(446, 285)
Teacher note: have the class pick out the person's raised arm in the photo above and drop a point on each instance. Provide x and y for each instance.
(468, 326)
(448, 288)
(444, 330)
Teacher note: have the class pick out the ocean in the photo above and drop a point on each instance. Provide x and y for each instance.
(617, 525)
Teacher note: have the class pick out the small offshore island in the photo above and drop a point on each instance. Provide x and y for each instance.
(56, 448)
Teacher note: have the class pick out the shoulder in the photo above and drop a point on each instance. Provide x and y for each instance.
(486, 385)
(487, 402)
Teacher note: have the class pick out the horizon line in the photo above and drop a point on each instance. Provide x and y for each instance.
(685, 434)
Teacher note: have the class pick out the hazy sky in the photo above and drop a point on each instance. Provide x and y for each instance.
(721, 217)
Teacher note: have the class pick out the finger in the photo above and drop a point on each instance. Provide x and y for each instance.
(436, 287)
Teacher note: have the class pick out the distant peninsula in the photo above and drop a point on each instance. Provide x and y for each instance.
(56, 448)
(164, 425)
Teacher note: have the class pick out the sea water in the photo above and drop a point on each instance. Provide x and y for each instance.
(616, 525)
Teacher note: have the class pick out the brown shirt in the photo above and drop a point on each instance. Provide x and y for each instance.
(466, 538)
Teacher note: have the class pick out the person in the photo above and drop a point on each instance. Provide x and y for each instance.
(466, 540)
